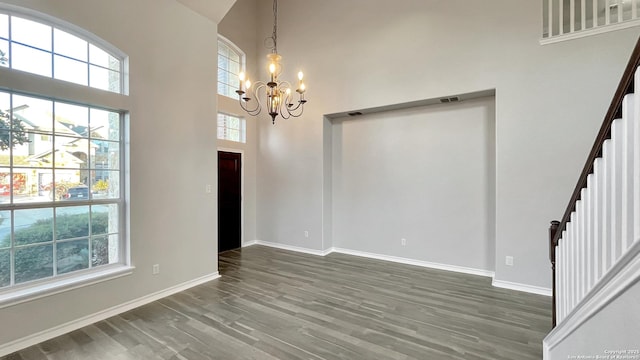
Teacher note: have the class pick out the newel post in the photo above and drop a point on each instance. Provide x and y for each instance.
(553, 229)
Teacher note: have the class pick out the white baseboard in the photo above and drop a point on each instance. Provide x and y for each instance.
(250, 243)
(292, 248)
(460, 269)
(427, 264)
(521, 287)
(48, 334)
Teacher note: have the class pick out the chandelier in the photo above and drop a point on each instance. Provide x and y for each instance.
(279, 99)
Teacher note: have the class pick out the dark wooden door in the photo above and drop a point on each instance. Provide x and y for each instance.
(229, 200)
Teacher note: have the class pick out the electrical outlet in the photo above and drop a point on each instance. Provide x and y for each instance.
(306, 233)
(207, 189)
(509, 260)
(403, 242)
(155, 269)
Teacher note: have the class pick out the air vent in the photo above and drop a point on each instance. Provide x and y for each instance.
(355, 113)
(449, 99)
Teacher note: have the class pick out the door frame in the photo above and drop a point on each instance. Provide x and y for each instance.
(241, 152)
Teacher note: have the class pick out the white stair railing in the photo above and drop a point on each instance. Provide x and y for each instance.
(602, 226)
(566, 17)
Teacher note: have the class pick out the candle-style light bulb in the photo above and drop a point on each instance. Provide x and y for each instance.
(247, 84)
(272, 68)
(300, 76)
(241, 76)
(302, 88)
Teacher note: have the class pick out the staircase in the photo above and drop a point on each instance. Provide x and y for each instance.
(595, 248)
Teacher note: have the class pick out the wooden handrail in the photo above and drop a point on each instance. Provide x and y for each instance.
(615, 111)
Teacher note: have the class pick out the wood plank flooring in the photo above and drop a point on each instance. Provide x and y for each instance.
(276, 304)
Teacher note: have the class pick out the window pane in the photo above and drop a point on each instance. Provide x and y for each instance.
(31, 33)
(102, 58)
(73, 221)
(72, 255)
(234, 135)
(31, 185)
(70, 70)
(5, 185)
(4, 26)
(234, 67)
(223, 49)
(105, 184)
(5, 268)
(105, 250)
(107, 155)
(31, 60)
(99, 250)
(5, 229)
(234, 83)
(72, 119)
(69, 45)
(64, 180)
(71, 153)
(105, 125)
(33, 262)
(36, 152)
(32, 226)
(234, 56)
(37, 114)
(19, 186)
(104, 79)
(104, 219)
(223, 64)
(234, 123)
(4, 53)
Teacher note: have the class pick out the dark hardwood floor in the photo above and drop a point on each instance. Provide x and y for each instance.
(276, 304)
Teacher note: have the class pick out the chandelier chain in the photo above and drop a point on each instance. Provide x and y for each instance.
(274, 35)
(279, 94)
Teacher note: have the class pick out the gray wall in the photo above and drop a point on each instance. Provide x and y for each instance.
(423, 174)
(359, 54)
(173, 221)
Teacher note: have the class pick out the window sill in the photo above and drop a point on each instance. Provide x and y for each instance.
(20, 295)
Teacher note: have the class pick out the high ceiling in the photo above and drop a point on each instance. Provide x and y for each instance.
(212, 9)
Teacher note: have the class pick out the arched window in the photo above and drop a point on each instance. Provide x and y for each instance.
(61, 161)
(230, 63)
(37, 47)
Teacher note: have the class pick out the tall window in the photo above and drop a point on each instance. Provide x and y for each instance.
(61, 163)
(47, 50)
(230, 64)
(232, 128)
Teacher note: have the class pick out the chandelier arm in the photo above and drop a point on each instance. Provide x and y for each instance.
(278, 97)
(294, 112)
(243, 104)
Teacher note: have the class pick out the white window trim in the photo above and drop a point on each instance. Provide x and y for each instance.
(243, 58)
(243, 127)
(29, 292)
(24, 83)
(72, 29)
